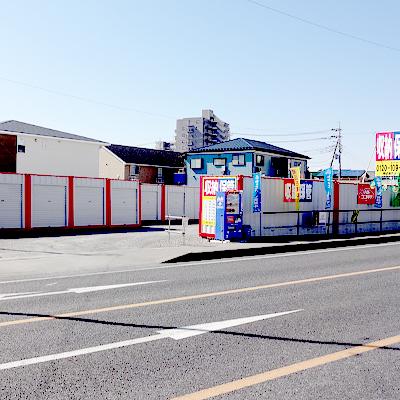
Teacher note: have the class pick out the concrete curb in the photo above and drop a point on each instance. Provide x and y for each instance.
(283, 248)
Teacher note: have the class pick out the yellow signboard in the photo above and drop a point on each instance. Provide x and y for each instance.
(388, 168)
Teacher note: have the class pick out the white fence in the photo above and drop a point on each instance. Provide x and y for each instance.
(159, 201)
(278, 217)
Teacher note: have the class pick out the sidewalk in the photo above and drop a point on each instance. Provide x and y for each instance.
(151, 245)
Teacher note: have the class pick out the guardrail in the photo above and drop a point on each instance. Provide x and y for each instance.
(333, 221)
(184, 219)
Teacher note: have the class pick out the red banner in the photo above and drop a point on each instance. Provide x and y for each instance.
(366, 194)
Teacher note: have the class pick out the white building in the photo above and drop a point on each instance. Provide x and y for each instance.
(196, 132)
(32, 149)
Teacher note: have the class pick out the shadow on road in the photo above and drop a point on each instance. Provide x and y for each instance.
(220, 332)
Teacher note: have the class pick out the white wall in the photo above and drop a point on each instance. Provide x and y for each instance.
(54, 156)
(110, 166)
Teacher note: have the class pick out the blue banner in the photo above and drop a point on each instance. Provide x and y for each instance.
(378, 188)
(257, 192)
(328, 183)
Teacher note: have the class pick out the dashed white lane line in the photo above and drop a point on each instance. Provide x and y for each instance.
(176, 334)
(89, 289)
(202, 263)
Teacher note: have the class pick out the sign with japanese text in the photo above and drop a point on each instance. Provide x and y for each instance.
(210, 185)
(387, 154)
(379, 192)
(366, 194)
(289, 191)
(328, 183)
(257, 192)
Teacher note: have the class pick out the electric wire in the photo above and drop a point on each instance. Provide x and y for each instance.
(86, 99)
(324, 27)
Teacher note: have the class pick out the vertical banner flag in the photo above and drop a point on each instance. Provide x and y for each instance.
(257, 192)
(378, 187)
(328, 183)
(295, 171)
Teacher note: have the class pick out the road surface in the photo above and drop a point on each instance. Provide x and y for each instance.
(315, 325)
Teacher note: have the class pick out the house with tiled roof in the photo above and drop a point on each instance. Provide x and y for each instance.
(243, 157)
(32, 149)
(348, 174)
(147, 165)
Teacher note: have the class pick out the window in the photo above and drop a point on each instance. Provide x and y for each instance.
(259, 160)
(238, 159)
(134, 170)
(196, 163)
(219, 162)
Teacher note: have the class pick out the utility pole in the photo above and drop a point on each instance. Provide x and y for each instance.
(338, 149)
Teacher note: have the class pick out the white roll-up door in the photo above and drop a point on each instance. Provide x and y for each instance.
(89, 206)
(11, 211)
(49, 205)
(124, 206)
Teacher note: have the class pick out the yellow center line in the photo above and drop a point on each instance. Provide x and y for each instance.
(195, 296)
(288, 370)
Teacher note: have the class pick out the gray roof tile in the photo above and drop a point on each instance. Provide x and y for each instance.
(140, 155)
(248, 144)
(29, 129)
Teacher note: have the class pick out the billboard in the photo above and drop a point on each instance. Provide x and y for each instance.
(366, 194)
(210, 185)
(289, 191)
(387, 153)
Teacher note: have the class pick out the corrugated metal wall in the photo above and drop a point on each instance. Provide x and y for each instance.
(124, 202)
(89, 202)
(49, 201)
(11, 201)
(151, 202)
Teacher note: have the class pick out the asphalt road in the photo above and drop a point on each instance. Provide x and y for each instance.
(108, 336)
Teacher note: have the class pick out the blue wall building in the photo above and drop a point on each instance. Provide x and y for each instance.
(242, 157)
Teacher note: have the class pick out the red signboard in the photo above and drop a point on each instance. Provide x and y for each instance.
(366, 194)
(384, 146)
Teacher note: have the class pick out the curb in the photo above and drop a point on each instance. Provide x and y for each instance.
(281, 249)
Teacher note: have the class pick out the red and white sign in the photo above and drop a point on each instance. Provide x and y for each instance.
(384, 146)
(366, 194)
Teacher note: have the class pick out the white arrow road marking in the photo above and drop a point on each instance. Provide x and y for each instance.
(194, 330)
(13, 296)
(176, 334)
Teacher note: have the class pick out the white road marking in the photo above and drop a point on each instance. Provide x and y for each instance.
(194, 330)
(13, 296)
(206, 262)
(176, 334)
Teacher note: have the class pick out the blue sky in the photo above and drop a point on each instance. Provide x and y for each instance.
(145, 63)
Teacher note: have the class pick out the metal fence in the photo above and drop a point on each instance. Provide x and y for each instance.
(355, 221)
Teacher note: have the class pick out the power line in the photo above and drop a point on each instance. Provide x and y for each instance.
(279, 134)
(324, 27)
(85, 99)
(301, 140)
